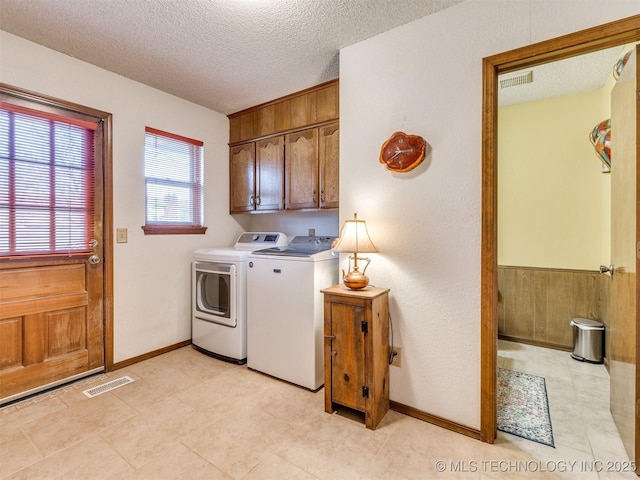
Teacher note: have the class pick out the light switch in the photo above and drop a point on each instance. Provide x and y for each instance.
(121, 235)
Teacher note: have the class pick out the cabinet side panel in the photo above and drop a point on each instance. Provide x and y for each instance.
(379, 381)
(328, 333)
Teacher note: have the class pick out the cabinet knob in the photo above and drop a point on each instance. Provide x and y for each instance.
(322, 195)
(333, 353)
(252, 201)
(315, 193)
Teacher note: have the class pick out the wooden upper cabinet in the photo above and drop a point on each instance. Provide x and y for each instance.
(301, 179)
(242, 178)
(283, 116)
(235, 134)
(285, 154)
(328, 103)
(269, 174)
(304, 109)
(265, 121)
(329, 165)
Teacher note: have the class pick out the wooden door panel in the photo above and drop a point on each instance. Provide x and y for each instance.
(301, 180)
(347, 364)
(21, 378)
(66, 331)
(46, 331)
(26, 283)
(623, 310)
(328, 103)
(329, 155)
(242, 178)
(10, 342)
(270, 173)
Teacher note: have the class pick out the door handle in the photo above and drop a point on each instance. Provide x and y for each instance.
(94, 259)
(610, 269)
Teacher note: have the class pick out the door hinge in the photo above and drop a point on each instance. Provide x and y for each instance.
(364, 326)
(365, 392)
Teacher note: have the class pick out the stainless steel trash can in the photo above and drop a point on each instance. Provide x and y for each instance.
(588, 340)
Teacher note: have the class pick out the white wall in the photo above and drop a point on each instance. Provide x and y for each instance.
(292, 223)
(425, 78)
(151, 273)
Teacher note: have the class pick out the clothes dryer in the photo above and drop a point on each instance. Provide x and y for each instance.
(219, 295)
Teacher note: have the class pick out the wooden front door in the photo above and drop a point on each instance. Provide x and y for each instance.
(625, 251)
(51, 303)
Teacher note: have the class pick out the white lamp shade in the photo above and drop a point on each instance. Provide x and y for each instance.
(354, 238)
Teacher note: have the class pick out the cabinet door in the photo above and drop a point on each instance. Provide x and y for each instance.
(329, 164)
(242, 178)
(347, 363)
(270, 174)
(301, 180)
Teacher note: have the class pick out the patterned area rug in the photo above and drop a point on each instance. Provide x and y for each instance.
(523, 408)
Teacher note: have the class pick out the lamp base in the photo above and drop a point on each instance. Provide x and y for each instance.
(355, 280)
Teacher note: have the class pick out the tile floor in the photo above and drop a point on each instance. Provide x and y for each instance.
(189, 416)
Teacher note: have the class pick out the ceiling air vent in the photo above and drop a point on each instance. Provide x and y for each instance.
(519, 79)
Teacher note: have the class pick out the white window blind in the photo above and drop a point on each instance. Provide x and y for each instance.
(46, 183)
(173, 180)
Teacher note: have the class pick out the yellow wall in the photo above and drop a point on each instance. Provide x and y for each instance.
(553, 200)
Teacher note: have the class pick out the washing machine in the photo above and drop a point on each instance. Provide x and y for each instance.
(285, 309)
(219, 295)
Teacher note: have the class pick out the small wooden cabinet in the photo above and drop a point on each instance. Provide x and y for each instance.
(356, 351)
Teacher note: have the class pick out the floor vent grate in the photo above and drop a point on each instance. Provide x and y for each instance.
(107, 387)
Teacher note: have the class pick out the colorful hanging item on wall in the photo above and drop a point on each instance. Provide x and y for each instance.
(402, 153)
(600, 137)
(619, 66)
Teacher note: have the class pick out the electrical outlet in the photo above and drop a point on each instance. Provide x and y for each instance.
(312, 232)
(396, 357)
(121, 235)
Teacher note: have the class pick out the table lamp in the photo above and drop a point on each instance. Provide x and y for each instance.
(354, 238)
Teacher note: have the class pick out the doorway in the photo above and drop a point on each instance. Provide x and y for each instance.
(605, 36)
(55, 250)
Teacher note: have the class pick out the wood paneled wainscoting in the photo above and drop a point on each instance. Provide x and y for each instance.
(536, 305)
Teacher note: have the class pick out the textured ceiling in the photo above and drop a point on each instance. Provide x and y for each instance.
(584, 73)
(227, 55)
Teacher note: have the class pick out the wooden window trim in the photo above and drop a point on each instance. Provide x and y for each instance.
(180, 228)
(173, 230)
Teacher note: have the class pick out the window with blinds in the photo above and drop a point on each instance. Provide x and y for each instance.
(173, 183)
(46, 183)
